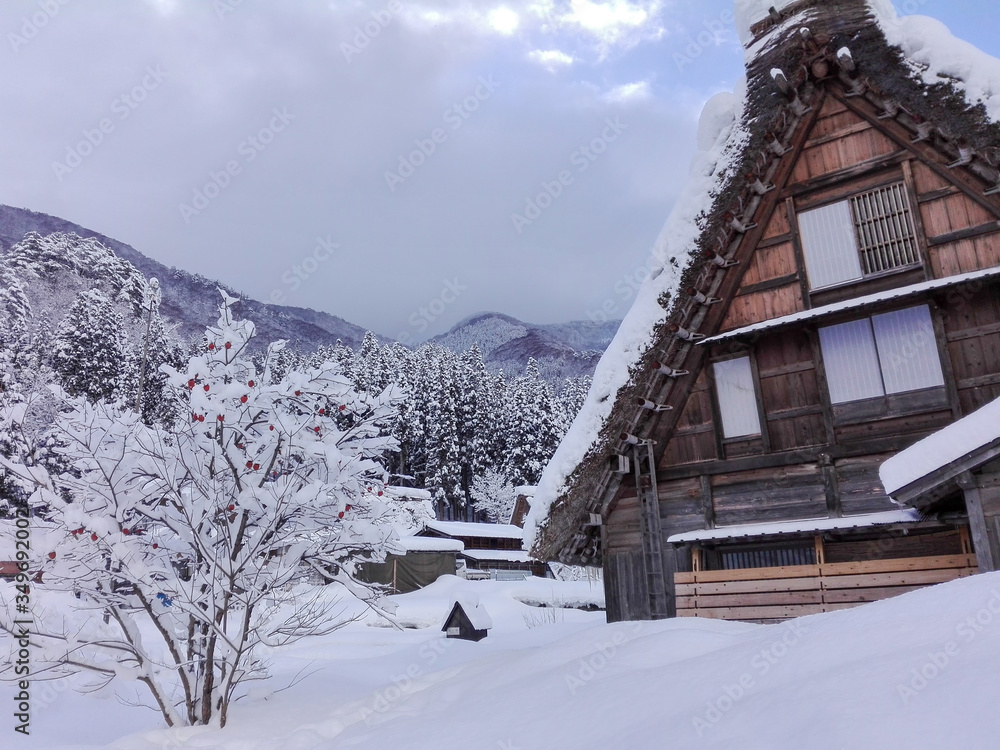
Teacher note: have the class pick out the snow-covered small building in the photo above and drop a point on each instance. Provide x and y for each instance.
(467, 620)
(825, 294)
(488, 547)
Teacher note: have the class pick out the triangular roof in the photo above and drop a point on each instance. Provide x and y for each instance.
(943, 87)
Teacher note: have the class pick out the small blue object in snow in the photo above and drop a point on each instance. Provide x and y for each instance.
(164, 599)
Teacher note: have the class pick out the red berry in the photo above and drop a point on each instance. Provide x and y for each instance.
(249, 464)
(211, 347)
(298, 393)
(251, 384)
(191, 384)
(195, 418)
(93, 537)
(228, 345)
(126, 532)
(243, 399)
(52, 555)
(315, 429)
(340, 515)
(380, 493)
(322, 411)
(231, 507)
(201, 417)
(270, 427)
(256, 467)
(342, 407)
(207, 386)
(155, 545)
(347, 507)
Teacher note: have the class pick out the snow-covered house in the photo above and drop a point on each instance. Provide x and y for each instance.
(825, 294)
(487, 546)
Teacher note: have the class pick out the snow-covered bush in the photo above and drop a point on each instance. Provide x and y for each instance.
(178, 542)
(493, 494)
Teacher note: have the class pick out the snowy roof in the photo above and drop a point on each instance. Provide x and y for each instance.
(462, 528)
(944, 447)
(913, 61)
(499, 555)
(479, 618)
(857, 302)
(907, 515)
(407, 493)
(429, 544)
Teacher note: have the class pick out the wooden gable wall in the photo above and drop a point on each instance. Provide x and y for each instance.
(810, 461)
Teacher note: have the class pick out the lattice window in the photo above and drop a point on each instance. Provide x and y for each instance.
(866, 234)
(884, 229)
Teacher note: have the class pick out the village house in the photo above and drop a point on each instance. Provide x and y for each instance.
(825, 296)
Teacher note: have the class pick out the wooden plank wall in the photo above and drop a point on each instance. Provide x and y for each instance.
(971, 318)
(625, 586)
(773, 594)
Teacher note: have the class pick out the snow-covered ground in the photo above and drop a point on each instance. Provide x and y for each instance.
(917, 671)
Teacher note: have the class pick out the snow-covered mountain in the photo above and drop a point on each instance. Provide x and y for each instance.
(561, 349)
(191, 301)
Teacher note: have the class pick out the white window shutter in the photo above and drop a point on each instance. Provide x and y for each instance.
(908, 350)
(737, 398)
(851, 361)
(830, 245)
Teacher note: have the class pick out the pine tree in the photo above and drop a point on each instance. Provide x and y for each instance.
(91, 347)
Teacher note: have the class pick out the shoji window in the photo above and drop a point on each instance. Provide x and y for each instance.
(888, 353)
(867, 234)
(737, 398)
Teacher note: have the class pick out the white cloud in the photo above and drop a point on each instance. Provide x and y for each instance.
(616, 22)
(504, 20)
(551, 58)
(629, 92)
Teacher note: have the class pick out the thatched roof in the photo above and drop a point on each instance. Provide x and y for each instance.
(805, 42)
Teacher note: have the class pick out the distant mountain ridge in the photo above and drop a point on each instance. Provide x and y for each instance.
(190, 302)
(561, 349)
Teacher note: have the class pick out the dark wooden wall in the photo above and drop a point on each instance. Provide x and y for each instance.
(814, 458)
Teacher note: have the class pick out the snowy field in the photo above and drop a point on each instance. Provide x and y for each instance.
(917, 671)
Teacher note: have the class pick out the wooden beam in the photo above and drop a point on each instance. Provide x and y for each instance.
(800, 257)
(936, 195)
(977, 523)
(707, 502)
(860, 169)
(763, 286)
(944, 356)
(918, 220)
(964, 234)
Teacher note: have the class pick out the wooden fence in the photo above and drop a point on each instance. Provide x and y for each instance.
(771, 594)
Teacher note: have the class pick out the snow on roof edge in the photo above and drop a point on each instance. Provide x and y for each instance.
(906, 515)
(668, 259)
(940, 448)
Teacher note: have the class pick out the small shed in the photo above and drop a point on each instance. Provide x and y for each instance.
(468, 620)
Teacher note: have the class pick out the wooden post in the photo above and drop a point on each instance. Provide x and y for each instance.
(977, 523)
(652, 536)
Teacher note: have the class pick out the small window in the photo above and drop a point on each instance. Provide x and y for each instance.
(865, 235)
(737, 398)
(889, 353)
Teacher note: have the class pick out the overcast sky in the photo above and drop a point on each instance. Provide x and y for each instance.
(241, 139)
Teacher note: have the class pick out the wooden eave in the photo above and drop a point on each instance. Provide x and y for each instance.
(880, 83)
(944, 481)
